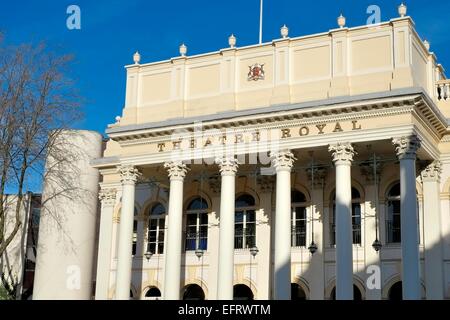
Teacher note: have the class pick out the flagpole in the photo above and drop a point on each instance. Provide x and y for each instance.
(260, 21)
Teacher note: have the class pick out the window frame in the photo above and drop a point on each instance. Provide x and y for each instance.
(246, 210)
(295, 205)
(157, 218)
(198, 225)
(332, 223)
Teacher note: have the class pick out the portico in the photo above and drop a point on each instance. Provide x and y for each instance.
(285, 187)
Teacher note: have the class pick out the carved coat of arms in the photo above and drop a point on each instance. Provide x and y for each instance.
(256, 72)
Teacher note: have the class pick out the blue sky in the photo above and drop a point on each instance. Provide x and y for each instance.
(113, 30)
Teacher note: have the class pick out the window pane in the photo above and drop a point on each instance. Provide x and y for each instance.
(161, 248)
(153, 224)
(161, 236)
(395, 191)
(297, 196)
(161, 223)
(198, 204)
(355, 194)
(157, 210)
(245, 200)
(152, 236)
(250, 216)
(300, 213)
(191, 219)
(203, 218)
(239, 217)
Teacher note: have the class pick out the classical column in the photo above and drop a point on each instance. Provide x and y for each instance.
(406, 148)
(228, 168)
(282, 162)
(129, 175)
(266, 185)
(342, 154)
(317, 280)
(177, 172)
(372, 172)
(213, 236)
(108, 200)
(434, 281)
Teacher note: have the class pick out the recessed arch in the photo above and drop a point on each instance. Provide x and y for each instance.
(301, 188)
(240, 190)
(152, 293)
(197, 281)
(303, 284)
(193, 292)
(390, 282)
(149, 203)
(331, 187)
(242, 292)
(193, 194)
(357, 284)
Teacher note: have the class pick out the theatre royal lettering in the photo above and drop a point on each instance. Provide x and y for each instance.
(213, 137)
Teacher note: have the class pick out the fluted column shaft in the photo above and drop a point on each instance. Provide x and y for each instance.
(342, 154)
(172, 272)
(129, 175)
(108, 200)
(282, 162)
(434, 273)
(406, 148)
(228, 168)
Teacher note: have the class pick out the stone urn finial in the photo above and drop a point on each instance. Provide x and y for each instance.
(232, 41)
(137, 58)
(183, 50)
(402, 10)
(341, 21)
(427, 45)
(284, 31)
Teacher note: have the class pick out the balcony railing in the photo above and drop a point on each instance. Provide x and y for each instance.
(443, 89)
(298, 236)
(356, 234)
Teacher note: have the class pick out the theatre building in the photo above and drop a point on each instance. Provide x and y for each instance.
(314, 167)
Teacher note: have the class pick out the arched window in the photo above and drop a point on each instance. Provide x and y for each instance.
(297, 292)
(156, 226)
(242, 292)
(193, 292)
(135, 235)
(357, 296)
(299, 222)
(393, 230)
(356, 218)
(197, 225)
(153, 293)
(245, 223)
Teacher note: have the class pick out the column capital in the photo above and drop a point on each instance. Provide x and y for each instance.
(227, 165)
(107, 197)
(406, 147)
(128, 174)
(342, 152)
(432, 172)
(176, 169)
(282, 160)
